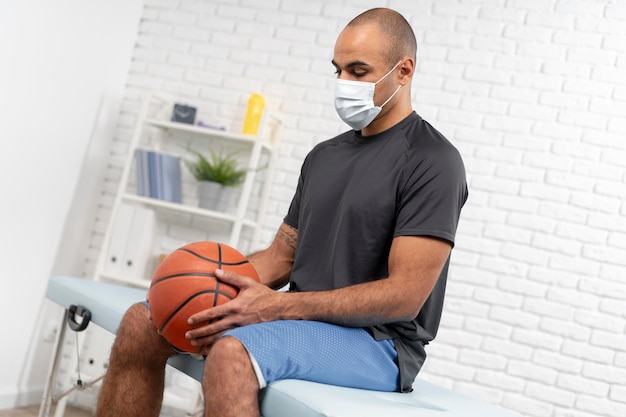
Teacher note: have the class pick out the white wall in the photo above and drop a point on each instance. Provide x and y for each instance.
(533, 93)
(62, 70)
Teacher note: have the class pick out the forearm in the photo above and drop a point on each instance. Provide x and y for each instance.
(362, 305)
(273, 272)
(396, 298)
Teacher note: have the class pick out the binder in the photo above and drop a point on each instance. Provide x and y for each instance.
(163, 176)
(171, 178)
(152, 173)
(138, 256)
(143, 176)
(119, 237)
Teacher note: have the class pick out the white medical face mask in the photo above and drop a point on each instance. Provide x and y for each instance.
(354, 101)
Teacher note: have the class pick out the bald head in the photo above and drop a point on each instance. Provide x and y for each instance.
(398, 34)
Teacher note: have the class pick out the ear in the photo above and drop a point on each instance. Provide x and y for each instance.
(407, 69)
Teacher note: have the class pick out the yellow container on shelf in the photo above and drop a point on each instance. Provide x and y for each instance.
(254, 114)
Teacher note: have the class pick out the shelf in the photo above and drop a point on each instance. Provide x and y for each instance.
(181, 208)
(207, 132)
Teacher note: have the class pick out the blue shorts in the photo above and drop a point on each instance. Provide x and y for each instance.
(319, 352)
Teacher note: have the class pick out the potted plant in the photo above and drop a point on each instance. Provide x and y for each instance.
(215, 174)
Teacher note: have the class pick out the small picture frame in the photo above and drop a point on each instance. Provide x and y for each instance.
(184, 114)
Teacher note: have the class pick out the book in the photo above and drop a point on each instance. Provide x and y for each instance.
(170, 170)
(143, 177)
(158, 175)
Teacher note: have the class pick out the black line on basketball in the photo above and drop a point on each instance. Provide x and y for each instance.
(219, 262)
(217, 291)
(184, 303)
(182, 274)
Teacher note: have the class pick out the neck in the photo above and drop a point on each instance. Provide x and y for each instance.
(387, 120)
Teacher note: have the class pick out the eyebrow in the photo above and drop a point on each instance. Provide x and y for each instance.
(352, 64)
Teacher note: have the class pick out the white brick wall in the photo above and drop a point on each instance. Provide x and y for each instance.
(533, 93)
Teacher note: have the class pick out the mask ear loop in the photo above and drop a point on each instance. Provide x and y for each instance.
(385, 76)
(390, 71)
(390, 97)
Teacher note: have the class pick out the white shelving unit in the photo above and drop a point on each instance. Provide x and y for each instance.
(242, 221)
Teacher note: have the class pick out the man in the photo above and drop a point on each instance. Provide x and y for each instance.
(365, 248)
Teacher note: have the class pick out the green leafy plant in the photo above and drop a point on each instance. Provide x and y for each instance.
(219, 168)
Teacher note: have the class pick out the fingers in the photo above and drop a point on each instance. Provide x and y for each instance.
(208, 315)
(206, 342)
(231, 278)
(238, 281)
(206, 335)
(214, 321)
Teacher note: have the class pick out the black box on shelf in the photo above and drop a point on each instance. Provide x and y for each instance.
(184, 114)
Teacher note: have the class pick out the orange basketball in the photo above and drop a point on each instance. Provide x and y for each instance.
(185, 283)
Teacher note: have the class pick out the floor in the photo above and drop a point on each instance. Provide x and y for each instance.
(34, 412)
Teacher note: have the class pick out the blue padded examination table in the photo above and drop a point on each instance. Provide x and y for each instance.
(106, 304)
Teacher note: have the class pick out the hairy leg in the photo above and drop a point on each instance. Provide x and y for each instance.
(133, 385)
(230, 385)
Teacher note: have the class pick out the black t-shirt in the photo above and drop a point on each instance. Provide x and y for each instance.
(355, 195)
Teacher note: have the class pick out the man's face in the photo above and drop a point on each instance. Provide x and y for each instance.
(360, 56)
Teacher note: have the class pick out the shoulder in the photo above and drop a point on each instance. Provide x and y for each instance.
(344, 137)
(328, 147)
(425, 144)
(431, 157)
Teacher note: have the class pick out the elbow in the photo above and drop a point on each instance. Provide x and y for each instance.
(408, 311)
(407, 317)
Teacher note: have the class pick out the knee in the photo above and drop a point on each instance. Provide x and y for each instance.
(137, 335)
(230, 384)
(136, 323)
(226, 355)
(227, 349)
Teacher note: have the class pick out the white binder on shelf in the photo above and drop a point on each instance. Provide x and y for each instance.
(117, 242)
(140, 245)
(131, 248)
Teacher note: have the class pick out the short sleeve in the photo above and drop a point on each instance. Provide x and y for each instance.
(432, 194)
(293, 214)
